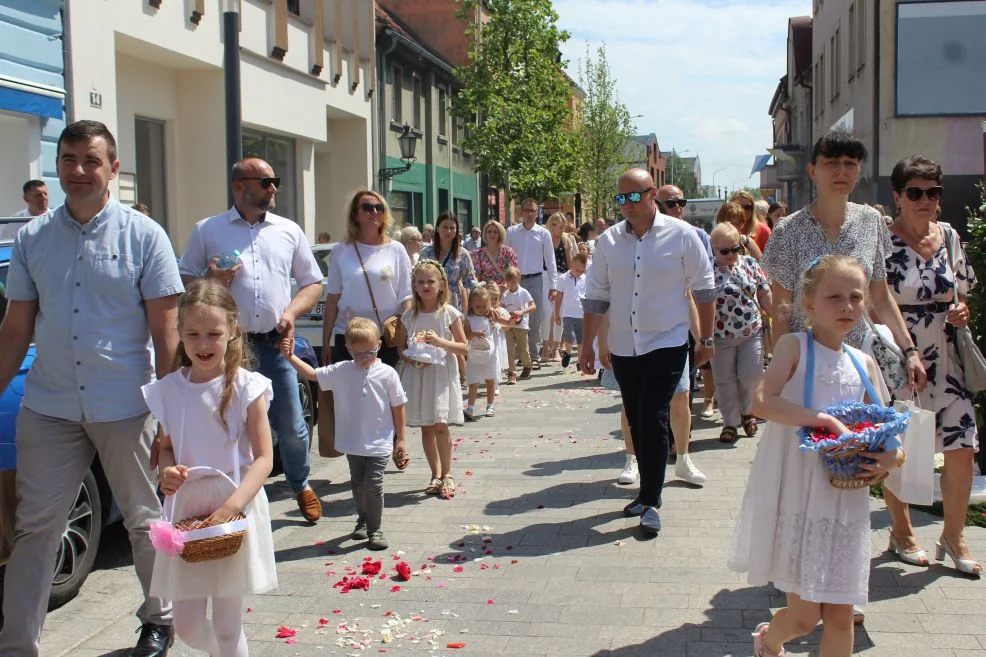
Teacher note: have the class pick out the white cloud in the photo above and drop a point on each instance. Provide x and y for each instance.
(701, 73)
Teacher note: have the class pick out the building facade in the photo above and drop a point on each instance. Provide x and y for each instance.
(32, 97)
(152, 70)
(417, 94)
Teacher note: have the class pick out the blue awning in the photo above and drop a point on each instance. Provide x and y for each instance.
(760, 162)
(25, 102)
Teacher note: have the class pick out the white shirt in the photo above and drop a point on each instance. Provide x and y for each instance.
(272, 251)
(470, 244)
(363, 402)
(517, 301)
(389, 270)
(573, 291)
(535, 253)
(642, 282)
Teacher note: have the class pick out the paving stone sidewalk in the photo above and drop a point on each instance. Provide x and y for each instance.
(534, 558)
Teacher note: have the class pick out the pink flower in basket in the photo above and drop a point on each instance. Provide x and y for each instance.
(167, 538)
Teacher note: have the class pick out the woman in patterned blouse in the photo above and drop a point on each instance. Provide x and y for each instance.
(492, 259)
(929, 277)
(833, 225)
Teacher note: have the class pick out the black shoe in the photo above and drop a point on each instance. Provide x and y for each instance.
(154, 641)
(566, 358)
(635, 508)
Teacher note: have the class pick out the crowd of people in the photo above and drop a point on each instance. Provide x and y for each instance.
(770, 308)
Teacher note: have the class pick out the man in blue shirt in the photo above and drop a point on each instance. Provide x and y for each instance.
(92, 281)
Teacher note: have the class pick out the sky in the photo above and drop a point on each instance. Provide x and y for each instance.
(700, 72)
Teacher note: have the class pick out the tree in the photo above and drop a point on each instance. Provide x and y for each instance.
(604, 130)
(515, 89)
(679, 173)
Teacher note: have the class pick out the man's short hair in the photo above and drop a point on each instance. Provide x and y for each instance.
(529, 200)
(86, 130)
(33, 184)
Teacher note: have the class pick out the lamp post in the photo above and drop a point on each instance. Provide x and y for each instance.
(407, 141)
(717, 171)
(231, 77)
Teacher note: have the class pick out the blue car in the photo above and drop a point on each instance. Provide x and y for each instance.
(94, 507)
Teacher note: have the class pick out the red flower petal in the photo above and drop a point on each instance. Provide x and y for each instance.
(285, 632)
(489, 602)
(395, 589)
(455, 645)
(457, 569)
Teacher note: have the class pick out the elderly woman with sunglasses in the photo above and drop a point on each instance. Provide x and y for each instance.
(930, 276)
(369, 276)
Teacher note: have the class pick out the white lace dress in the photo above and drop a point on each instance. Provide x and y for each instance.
(434, 395)
(794, 528)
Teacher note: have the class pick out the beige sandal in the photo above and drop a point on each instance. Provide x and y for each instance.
(434, 487)
(448, 488)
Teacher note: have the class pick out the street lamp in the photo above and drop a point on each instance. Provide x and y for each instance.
(407, 141)
(231, 79)
(714, 178)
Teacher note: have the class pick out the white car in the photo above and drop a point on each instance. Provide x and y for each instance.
(309, 325)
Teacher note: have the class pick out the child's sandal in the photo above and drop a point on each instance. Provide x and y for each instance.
(448, 488)
(728, 435)
(401, 460)
(435, 487)
(759, 649)
(750, 425)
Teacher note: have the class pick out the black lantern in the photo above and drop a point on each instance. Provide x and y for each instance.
(407, 141)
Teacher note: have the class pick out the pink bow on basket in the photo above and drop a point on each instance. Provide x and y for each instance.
(167, 538)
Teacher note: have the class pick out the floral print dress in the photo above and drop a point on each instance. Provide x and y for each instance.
(490, 270)
(457, 270)
(914, 282)
(737, 309)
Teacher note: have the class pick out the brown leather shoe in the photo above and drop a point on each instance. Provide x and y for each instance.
(310, 505)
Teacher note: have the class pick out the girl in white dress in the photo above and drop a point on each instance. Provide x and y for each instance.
(481, 364)
(500, 318)
(430, 335)
(216, 454)
(795, 529)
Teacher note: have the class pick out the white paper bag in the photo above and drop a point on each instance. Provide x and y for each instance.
(914, 482)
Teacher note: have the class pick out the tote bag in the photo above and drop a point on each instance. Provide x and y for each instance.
(914, 481)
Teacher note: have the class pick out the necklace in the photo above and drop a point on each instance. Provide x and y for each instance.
(913, 240)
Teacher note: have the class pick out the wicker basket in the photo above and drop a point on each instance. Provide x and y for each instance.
(843, 466)
(211, 547)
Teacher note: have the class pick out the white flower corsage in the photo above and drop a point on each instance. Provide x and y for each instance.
(386, 273)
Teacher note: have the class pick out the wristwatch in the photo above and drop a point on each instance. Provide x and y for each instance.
(706, 342)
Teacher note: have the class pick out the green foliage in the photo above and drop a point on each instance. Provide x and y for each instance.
(680, 174)
(515, 89)
(604, 131)
(975, 249)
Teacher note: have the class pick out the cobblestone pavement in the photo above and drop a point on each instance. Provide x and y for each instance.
(533, 557)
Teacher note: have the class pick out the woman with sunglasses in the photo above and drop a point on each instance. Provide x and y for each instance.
(930, 276)
(733, 213)
(753, 227)
(369, 276)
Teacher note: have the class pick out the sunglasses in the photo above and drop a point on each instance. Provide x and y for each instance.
(915, 193)
(676, 202)
(266, 182)
(748, 208)
(633, 197)
(732, 249)
(372, 207)
(360, 355)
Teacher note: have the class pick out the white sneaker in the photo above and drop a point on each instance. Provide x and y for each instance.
(685, 469)
(490, 410)
(629, 474)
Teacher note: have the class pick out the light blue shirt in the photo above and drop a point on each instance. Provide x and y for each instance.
(90, 281)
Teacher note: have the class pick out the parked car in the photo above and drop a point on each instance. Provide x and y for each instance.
(309, 325)
(94, 507)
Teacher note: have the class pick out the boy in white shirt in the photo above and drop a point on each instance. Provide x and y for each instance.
(519, 303)
(568, 306)
(369, 412)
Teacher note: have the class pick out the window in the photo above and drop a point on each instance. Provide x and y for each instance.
(294, 6)
(442, 112)
(815, 93)
(456, 130)
(279, 153)
(821, 84)
(860, 34)
(837, 62)
(397, 90)
(407, 208)
(152, 189)
(852, 41)
(418, 99)
(442, 200)
(463, 211)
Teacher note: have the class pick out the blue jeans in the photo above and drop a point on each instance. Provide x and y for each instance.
(286, 420)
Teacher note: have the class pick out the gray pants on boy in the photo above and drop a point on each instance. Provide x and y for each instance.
(366, 475)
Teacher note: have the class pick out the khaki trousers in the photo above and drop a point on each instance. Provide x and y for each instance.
(52, 458)
(517, 347)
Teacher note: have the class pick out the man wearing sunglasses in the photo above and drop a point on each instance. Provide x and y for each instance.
(273, 250)
(642, 272)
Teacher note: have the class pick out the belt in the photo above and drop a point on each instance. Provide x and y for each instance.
(531, 275)
(270, 337)
(930, 307)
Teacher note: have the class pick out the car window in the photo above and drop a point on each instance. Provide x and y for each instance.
(322, 257)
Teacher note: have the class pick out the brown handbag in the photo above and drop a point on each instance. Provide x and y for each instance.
(327, 425)
(388, 329)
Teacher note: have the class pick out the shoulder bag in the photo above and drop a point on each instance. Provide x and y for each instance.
(388, 329)
(973, 363)
(888, 356)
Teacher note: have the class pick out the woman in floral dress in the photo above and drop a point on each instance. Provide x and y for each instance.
(926, 270)
(494, 256)
(446, 249)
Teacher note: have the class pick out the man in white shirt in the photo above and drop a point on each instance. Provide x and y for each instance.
(474, 241)
(36, 199)
(642, 271)
(272, 250)
(536, 262)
